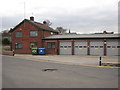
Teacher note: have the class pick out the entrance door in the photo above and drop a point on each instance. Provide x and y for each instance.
(97, 48)
(80, 47)
(65, 48)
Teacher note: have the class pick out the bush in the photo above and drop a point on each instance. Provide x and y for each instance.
(5, 41)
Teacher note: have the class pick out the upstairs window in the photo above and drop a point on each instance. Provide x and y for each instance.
(18, 45)
(33, 33)
(18, 34)
(51, 45)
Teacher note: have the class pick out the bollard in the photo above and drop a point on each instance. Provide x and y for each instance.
(13, 53)
(100, 62)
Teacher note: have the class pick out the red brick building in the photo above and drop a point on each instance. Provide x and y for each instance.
(84, 44)
(29, 34)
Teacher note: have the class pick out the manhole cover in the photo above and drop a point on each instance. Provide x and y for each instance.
(49, 69)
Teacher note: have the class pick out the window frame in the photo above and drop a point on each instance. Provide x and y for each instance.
(69, 46)
(65, 46)
(96, 46)
(84, 46)
(33, 35)
(80, 46)
(50, 45)
(113, 46)
(19, 34)
(108, 46)
(61, 46)
(101, 46)
(118, 46)
(76, 46)
(91, 46)
(18, 47)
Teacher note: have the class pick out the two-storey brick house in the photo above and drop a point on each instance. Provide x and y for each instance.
(28, 34)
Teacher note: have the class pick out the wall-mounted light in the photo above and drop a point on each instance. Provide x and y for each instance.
(20, 28)
(105, 42)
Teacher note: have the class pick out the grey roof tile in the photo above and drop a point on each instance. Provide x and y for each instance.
(80, 36)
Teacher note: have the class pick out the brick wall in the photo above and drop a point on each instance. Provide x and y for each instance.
(26, 27)
(51, 51)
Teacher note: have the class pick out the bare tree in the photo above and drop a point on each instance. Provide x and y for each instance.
(5, 31)
(61, 30)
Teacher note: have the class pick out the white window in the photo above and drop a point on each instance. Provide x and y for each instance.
(18, 45)
(33, 33)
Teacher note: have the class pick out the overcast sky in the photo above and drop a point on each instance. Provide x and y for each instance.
(82, 16)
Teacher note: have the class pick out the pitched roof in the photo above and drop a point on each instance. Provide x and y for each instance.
(83, 36)
(40, 26)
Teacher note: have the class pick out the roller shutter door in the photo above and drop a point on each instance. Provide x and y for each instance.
(65, 48)
(97, 48)
(112, 48)
(80, 47)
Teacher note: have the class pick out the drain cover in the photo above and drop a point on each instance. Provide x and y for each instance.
(49, 69)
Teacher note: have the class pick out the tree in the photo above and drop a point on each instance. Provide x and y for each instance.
(61, 30)
(5, 41)
(5, 31)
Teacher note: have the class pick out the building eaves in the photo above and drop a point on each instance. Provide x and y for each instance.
(83, 36)
(17, 25)
(42, 26)
(36, 24)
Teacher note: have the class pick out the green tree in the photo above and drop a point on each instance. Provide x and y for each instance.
(5, 41)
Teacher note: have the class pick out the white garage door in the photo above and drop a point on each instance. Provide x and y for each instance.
(96, 48)
(80, 47)
(112, 48)
(65, 48)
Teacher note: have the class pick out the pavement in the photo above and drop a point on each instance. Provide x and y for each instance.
(71, 59)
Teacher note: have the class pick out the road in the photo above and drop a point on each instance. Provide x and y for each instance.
(23, 73)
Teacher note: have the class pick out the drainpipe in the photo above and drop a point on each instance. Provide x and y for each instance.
(88, 51)
(57, 47)
(72, 47)
(105, 46)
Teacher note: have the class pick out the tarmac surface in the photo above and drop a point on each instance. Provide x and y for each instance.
(52, 71)
(71, 59)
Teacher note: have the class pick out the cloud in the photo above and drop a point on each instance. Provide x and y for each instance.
(10, 22)
(78, 15)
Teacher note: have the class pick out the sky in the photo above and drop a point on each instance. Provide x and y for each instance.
(81, 16)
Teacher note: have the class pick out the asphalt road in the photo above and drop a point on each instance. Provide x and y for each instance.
(22, 73)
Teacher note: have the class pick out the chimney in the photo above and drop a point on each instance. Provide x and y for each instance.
(104, 32)
(69, 31)
(32, 18)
